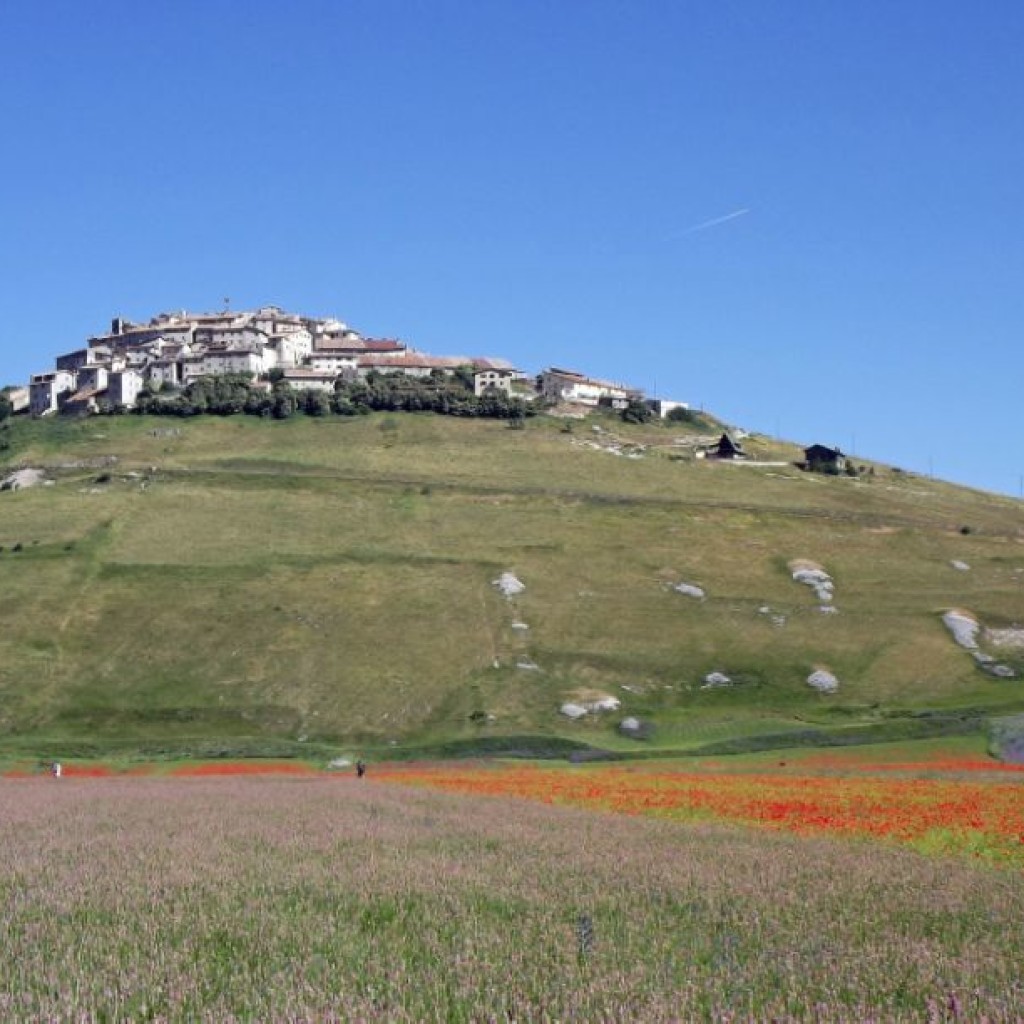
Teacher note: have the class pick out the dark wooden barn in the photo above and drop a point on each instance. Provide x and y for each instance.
(727, 448)
(821, 459)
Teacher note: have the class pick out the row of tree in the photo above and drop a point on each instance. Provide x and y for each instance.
(230, 395)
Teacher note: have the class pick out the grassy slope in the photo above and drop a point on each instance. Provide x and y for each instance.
(332, 579)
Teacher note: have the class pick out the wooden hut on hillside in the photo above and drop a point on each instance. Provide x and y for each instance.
(727, 448)
(821, 459)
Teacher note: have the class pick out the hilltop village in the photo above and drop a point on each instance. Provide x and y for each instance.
(274, 349)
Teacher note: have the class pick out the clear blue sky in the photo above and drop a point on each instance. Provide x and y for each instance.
(804, 216)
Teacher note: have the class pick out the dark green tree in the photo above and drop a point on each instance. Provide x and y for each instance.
(284, 405)
(637, 411)
(680, 414)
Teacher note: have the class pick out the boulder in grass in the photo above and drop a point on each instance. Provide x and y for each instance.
(636, 728)
(690, 590)
(715, 680)
(960, 566)
(823, 681)
(818, 581)
(605, 704)
(812, 575)
(1000, 671)
(508, 584)
(573, 711)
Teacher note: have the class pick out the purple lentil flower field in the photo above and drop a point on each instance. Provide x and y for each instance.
(328, 899)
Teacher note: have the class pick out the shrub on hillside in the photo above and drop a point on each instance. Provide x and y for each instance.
(637, 411)
(681, 414)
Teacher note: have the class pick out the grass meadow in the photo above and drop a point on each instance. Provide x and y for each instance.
(244, 585)
(327, 898)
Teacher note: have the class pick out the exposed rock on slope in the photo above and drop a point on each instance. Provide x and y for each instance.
(21, 479)
(509, 585)
(964, 628)
(823, 681)
(814, 576)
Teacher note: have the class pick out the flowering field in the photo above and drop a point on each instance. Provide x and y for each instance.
(328, 898)
(949, 804)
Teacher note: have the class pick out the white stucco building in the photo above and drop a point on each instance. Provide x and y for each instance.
(489, 379)
(570, 386)
(305, 378)
(332, 362)
(46, 390)
(123, 388)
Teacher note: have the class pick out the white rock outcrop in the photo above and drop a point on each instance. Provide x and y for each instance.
(815, 578)
(999, 670)
(690, 590)
(580, 708)
(508, 584)
(635, 728)
(960, 566)
(963, 627)
(1011, 636)
(21, 479)
(713, 680)
(823, 681)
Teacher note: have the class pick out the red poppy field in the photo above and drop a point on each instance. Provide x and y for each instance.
(944, 804)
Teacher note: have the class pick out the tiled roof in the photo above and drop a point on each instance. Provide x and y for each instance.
(383, 345)
(412, 361)
(84, 394)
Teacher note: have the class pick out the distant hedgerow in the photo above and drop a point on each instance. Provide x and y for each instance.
(231, 394)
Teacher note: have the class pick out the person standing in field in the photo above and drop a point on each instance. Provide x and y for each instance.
(360, 768)
(55, 769)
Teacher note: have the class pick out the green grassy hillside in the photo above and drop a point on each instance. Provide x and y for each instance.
(254, 585)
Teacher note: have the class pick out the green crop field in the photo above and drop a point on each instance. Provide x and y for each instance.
(247, 586)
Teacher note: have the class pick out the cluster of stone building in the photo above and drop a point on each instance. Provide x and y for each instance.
(175, 349)
(178, 348)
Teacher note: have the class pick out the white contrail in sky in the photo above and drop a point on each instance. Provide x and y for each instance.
(704, 225)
